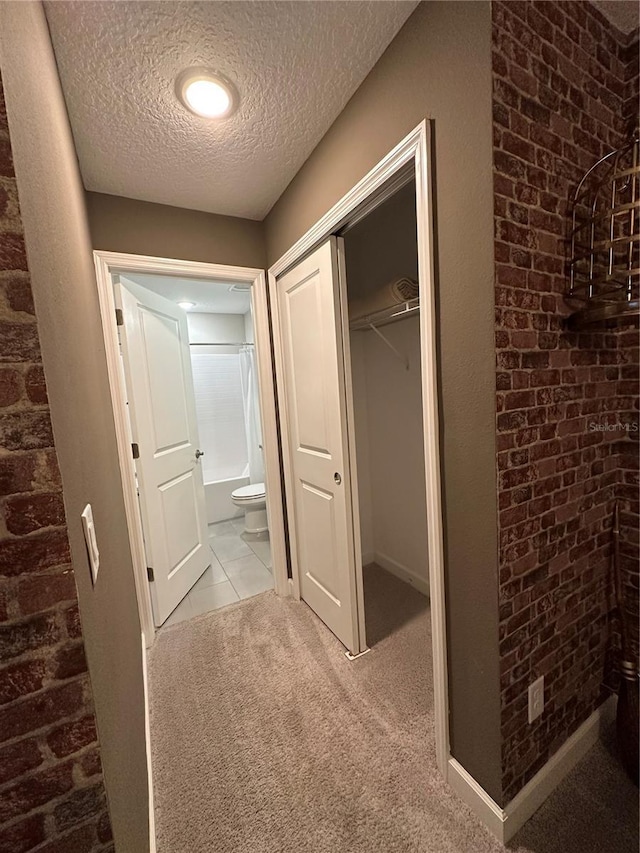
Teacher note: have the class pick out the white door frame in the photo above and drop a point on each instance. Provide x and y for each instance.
(416, 148)
(108, 263)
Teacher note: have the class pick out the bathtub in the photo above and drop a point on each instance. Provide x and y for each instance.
(218, 498)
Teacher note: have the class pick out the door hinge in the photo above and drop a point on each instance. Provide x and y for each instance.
(135, 450)
(150, 573)
(119, 317)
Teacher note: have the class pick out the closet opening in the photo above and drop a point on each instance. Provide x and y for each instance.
(349, 283)
(383, 307)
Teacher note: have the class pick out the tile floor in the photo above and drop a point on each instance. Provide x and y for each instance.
(240, 567)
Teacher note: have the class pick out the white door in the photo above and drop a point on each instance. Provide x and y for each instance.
(157, 366)
(317, 471)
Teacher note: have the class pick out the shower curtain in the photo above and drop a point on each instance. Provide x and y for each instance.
(249, 378)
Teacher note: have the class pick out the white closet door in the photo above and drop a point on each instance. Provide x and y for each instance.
(157, 366)
(318, 477)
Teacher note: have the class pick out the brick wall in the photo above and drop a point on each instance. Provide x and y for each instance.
(562, 96)
(52, 798)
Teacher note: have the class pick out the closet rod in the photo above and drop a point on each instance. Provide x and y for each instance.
(387, 315)
(219, 344)
(385, 340)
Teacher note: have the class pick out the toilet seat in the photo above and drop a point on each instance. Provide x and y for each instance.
(252, 492)
(252, 501)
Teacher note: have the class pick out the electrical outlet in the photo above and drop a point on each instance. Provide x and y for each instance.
(536, 698)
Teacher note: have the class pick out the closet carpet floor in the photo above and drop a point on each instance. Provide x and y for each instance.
(266, 739)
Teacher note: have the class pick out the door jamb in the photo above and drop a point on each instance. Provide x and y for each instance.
(416, 147)
(108, 263)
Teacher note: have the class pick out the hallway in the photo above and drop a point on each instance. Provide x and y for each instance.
(266, 739)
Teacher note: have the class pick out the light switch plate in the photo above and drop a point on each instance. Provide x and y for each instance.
(92, 543)
(536, 698)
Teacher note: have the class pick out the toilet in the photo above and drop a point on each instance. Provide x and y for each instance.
(252, 499)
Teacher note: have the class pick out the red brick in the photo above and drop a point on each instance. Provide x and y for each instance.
(520, 378)
(72, 619)
(48, 473)
(19, 342)
(23, 836)
(91, 763)
(26, 430)
(13, 255)
(28, 634)
(34, 791)
(20, 679)
(535, 360)
(508, 165)
(10, 386)
(511, 421)
(518, 146)
(518, 476)
(511, 276)
(104, 828)
(519, 399)
(17, 289)
(17, 472)
(40, 711)
(80, 840)
(18, 758)
(28, 513)
(511, 232)
(505, 93)
(69, 661)
(78, 806)
(38, 593)
(33, 553)
(35, 384)
(6, 158)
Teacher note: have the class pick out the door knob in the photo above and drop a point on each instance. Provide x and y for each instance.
(337, 478)
(199, 453)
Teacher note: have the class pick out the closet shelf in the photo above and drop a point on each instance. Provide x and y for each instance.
(387, 315)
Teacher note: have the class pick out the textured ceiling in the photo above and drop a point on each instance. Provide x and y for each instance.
(295, 64)
(623, 13)
(207, 296)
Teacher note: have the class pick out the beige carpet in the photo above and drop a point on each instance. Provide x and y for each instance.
(266, 739)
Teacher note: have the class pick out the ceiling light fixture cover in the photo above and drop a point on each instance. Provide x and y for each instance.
(206, 93)
(187, 305)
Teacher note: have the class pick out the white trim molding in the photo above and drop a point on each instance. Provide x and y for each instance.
(504, 823)
(342, 211)
(109, 263)
(413, 151)
(147, 740)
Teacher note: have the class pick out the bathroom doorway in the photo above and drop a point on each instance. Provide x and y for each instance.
(198, 432)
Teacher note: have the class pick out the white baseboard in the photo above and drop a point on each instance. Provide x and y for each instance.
(147, 738)
(504, 823)
(368, 557)
(561, 763)
(484, 807)
(400, 571)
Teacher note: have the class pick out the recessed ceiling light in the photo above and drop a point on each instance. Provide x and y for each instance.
(206, 93)
(187, 305)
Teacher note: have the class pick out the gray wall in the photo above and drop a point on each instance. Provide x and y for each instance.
(61, 266)
(439, 66)
(143, 228)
